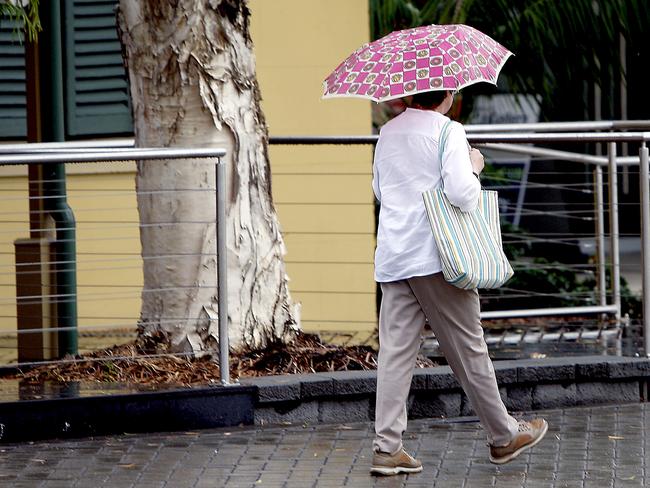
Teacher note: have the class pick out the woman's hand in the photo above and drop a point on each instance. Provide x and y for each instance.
(476, 158)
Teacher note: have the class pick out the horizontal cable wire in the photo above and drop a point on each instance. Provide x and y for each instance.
(108, 358)
(369, 173)
(94, 297)
(326, 204)
(132, 325)
(84, 262)
(496, 162)
(323, 233)
(109, 253)
(515, 264)
(80, 226)
(93, 317)
(535, 185)
(72, 194)
(310, 321)
(83, 268)
(605, 207)
(578, 234)
(117, 190)
(523, 240)
(56, 298)
(585, 297)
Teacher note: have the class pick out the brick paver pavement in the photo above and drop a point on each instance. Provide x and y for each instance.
(585, 448)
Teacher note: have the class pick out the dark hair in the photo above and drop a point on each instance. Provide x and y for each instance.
(430, 99)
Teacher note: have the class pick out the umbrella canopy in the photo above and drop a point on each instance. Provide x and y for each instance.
(432, 57)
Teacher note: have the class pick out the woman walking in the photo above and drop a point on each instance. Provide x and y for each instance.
(408, 268)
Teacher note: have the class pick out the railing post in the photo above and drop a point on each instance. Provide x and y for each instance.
(613, 228)
(222, 272)
(644, 187)
(600, 236)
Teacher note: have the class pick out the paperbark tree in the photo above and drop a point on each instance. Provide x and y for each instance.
(193, 83)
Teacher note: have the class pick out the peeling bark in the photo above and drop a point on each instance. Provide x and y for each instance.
(192, 79)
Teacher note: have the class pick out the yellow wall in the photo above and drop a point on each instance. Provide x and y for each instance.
(109, 267)
(14, 223)
(322, 194)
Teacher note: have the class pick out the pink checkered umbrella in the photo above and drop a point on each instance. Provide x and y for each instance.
(432, 57)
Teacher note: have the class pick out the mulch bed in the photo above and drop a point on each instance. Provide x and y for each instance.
(133, 362)
(305, 354)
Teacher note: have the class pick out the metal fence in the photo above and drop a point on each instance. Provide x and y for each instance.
(593, 177)
(608, 300)
(52, 154)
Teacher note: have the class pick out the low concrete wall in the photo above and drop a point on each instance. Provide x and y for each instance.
(65, 414)
(75, 410)
(525, 385)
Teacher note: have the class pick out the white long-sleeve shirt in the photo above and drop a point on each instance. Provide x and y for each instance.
(406, 164)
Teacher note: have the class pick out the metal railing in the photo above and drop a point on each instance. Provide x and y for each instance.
(62, 153)
(506, 140)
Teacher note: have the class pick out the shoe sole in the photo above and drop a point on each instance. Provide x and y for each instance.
(393, 471)
(510, 457)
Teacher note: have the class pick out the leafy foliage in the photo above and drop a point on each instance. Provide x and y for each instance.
(24, 13)
(558, 46)
(540, 282)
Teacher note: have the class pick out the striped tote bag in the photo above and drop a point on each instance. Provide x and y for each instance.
(469, 243)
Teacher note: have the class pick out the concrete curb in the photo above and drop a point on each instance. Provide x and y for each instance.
(524, 384)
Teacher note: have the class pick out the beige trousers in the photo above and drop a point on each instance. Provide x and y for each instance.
(453, 314)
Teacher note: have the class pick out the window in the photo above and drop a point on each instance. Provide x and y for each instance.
(97, 101)
(13, 122)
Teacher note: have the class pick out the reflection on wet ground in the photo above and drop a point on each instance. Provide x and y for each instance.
(18, 390)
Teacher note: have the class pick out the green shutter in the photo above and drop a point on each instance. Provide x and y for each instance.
(13, 121)
(97, 95)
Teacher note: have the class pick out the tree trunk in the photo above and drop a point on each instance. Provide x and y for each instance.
(192, 79)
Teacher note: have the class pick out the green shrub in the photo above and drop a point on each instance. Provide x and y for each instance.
(541, 283)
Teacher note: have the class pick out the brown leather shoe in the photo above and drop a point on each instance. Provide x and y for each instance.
(387, 464)
(530, 433)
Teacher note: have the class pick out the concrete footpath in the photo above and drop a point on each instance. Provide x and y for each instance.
(589, 447)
